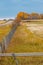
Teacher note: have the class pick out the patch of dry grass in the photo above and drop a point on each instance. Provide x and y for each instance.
(22, 60)
(4, 30)
(1, 21)
(25, 41)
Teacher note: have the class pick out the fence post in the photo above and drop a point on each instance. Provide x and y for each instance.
(0, 47)
(3, 45)
(15, 59)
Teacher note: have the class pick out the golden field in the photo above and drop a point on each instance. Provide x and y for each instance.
(24, 40)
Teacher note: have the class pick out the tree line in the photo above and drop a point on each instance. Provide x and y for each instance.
(33, 15)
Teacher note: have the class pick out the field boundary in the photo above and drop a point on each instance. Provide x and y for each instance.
(22, 54)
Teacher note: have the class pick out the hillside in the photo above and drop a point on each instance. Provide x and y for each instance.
(4, 29)
(26, 40)
(28, 37)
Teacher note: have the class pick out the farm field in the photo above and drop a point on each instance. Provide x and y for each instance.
(27, 38)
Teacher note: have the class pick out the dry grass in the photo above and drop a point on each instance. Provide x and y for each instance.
(22, 60)
(4, 30)
(25, 41)
(1, 21)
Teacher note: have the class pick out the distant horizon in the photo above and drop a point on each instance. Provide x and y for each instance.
(16, 15)
(7, 18)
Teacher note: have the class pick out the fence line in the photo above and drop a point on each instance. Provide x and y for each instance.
(6, 40)
(22, 54)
